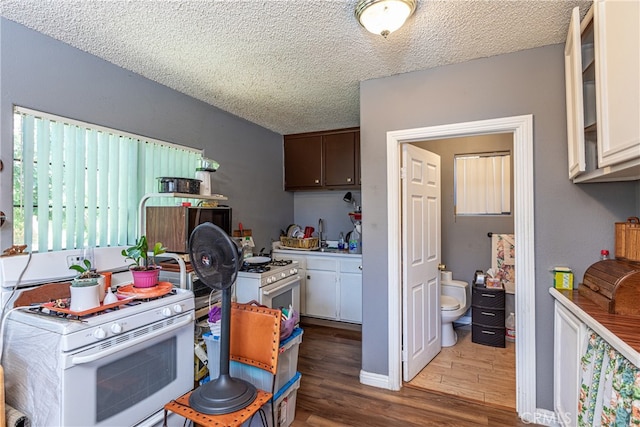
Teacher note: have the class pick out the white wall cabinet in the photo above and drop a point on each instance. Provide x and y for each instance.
(602, 64)
(567, 348)
(331, 285)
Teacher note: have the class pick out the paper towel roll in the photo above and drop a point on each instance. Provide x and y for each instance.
(446, 276)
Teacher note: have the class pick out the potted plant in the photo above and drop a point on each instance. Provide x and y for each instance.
(144, 268)
(87, 288)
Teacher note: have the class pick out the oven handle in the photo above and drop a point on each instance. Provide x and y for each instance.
(79, 360)
(279, 288)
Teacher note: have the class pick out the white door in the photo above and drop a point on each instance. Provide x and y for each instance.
(421, 326)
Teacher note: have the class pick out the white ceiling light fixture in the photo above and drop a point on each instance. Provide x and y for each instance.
(384, 16)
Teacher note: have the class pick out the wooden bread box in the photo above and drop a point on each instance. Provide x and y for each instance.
(613, 285)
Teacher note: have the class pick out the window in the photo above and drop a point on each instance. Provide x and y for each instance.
(483, 184)
(76, 184)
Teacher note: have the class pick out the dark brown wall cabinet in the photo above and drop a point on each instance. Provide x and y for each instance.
(322, 160)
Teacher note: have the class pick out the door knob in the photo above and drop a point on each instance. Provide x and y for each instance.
(442, 267)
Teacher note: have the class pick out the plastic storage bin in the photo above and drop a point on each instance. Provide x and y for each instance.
(284, 405)
(287, 363)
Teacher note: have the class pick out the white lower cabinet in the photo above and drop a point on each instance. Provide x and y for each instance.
(567, 348)
(351, 291)
(322, 288)
(331, 285)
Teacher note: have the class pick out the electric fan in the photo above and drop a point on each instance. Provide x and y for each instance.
(216, 259)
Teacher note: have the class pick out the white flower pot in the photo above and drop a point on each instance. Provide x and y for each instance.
(85, 297)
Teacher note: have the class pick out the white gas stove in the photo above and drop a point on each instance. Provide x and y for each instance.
(114, 367)
(276, 284)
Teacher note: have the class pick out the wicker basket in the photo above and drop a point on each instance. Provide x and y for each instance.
(292, 242)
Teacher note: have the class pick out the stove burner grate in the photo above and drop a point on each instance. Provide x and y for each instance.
(280, 262)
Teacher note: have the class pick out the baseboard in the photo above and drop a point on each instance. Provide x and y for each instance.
(330, 323)
(375, 380)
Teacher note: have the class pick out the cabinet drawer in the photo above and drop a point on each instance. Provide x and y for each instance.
(487, 335)
(321, 263)
(487, 317)
(351, 266)
(487, 297)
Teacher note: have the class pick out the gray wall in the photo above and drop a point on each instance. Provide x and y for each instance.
(312, 205)
(44, 74)
(572, 222)
(465, 245)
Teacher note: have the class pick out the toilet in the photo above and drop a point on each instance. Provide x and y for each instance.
(455, 300)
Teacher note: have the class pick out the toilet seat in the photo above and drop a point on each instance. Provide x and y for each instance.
(448, 303)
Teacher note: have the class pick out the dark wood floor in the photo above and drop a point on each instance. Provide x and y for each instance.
(330, 393)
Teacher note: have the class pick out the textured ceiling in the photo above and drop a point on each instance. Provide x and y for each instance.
(288, 65)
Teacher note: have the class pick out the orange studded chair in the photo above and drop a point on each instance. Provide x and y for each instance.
(255, 341)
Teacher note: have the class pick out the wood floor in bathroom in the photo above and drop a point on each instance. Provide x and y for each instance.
(473, 372)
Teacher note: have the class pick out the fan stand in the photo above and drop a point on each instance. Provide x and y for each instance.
(225, 394)
(215, 258)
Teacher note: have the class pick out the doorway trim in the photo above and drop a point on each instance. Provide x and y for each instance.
(522, 129)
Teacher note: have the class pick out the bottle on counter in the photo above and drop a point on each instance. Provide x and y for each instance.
(604, 254)
(341, 241)
(354, 242)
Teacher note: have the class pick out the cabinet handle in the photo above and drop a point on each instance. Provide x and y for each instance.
(487, 314)
(360, 267)
(349, 180)
(488, 332)
(317, 181)
(488, 295)
(308, 277)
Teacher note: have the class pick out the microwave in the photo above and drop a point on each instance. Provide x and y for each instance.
(173, 225)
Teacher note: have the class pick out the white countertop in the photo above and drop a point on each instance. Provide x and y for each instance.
(331, 253)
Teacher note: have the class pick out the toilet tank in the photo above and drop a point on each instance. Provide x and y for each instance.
(457, 289)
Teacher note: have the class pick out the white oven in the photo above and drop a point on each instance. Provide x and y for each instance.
(115, 367)
(277, 286)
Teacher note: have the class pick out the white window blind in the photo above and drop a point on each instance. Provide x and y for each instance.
(76, 184)
(483, 184)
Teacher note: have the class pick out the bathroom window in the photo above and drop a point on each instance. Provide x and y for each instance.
(482, 184)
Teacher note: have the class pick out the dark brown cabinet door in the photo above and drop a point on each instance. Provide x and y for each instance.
(339, 159)
(322, 160)
(303, 162)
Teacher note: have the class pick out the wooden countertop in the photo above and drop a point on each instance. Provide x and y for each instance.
(621, 331)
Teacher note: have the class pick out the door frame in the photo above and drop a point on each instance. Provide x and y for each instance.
(522, 129)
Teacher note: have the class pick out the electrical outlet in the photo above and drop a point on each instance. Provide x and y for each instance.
(74, 259)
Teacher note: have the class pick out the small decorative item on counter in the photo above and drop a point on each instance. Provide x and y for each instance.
(562, 278)
(87, 276)
(604, 254)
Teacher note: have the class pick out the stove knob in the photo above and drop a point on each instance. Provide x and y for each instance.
(274, 278)
(268, 280)
(293, 271)
(99, 333)
(116, 328)
(166, 312)
(283, 274)
(177, 308)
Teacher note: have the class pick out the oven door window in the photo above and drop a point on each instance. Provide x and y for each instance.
(126, 386)
(122, 383)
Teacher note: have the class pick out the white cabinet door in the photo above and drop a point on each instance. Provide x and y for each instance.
(567, 343)
(617, 55)
(574, 89)
(322, 287)
(321, 298)
(351, 290)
